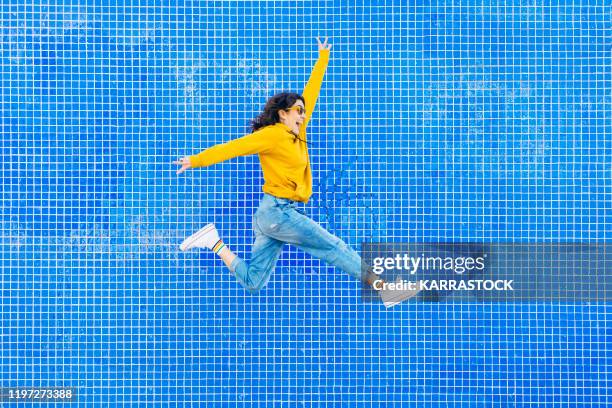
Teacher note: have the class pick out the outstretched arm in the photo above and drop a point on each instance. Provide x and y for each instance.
(313, 87)
(256, 142)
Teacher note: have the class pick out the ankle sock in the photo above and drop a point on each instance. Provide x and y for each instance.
(218, 247)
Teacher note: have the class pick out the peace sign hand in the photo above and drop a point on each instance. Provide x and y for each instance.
(323, 46)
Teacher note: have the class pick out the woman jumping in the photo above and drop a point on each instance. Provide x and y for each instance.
(279, 138)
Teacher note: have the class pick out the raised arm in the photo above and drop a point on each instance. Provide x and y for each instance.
(313, 87)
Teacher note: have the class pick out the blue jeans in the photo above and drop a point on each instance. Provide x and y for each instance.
(278, 221)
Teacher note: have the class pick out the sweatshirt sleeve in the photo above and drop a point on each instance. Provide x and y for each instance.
(313, 87)
(256, 142)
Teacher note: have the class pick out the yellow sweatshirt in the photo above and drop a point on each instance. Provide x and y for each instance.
(284, 161)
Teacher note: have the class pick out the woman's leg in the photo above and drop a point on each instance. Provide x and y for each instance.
(227, 256)
(277, 222)
(264, 255)
(297, 229)
(265, 251)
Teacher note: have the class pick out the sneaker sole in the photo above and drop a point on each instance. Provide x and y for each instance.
(186, 245)
(399, 297)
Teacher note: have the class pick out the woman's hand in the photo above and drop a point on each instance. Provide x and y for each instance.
(323, 46)
(184, 162)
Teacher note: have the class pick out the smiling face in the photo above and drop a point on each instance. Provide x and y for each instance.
(294, 116)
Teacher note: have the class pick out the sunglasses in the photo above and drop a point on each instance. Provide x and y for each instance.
(300, 110)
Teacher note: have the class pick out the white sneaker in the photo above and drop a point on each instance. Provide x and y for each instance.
(392, 297)
(206, 237)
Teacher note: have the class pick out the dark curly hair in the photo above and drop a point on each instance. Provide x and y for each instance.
(278, 102)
